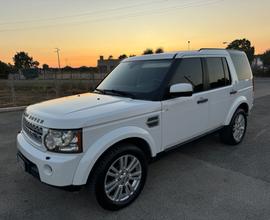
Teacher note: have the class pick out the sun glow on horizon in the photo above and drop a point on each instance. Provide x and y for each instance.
(89, 29)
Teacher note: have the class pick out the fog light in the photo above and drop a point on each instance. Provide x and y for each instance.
(47, 170)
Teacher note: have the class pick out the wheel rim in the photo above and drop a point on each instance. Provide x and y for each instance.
(123, 178)
(239, 127)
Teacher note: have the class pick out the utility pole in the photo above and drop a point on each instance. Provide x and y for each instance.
(188, 45)
(56, 81)
(58, 59)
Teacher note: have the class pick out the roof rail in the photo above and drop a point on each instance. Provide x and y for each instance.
(212, 49)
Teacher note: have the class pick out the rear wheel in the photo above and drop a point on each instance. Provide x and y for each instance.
(234, 133)
(120, 176)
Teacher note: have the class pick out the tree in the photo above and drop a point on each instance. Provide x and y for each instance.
(123, 56)
(132, 55)
(110, 57)
(23, 61)
(243, 45)
(45, 66)
(67, 68)
(266, 58)
(85, 69)
(35, 64)
(159, 50)
(4, 70)
(148, 51)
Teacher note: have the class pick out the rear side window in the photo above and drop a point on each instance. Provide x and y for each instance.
(189, 70)
(241, 65)
(218, 72)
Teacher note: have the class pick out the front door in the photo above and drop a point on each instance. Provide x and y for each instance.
(185, 117)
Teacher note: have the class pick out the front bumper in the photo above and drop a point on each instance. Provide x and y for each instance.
(53, 168)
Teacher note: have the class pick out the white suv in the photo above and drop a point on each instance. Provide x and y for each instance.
(147, 105)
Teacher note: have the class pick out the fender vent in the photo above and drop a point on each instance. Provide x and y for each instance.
(152, 122)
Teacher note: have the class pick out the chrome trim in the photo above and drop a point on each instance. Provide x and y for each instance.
(32, 130)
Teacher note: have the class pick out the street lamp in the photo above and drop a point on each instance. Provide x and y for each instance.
(188, 45)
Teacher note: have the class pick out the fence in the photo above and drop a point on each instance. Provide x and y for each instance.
(26, 92)
(61, 75)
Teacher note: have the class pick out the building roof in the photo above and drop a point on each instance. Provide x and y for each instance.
(179, 54)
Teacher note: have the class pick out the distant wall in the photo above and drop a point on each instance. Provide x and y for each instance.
(71, 75)
(43, 75)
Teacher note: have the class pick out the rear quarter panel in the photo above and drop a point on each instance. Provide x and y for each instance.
(244, 88)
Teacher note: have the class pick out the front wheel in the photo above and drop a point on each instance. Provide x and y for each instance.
(120, 176)
(234, 133)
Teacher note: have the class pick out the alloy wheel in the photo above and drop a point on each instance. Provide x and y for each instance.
(123, 178)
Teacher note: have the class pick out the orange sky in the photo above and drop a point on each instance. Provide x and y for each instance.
(87, 29)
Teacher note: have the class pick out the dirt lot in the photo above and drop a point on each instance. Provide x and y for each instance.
(26, 92)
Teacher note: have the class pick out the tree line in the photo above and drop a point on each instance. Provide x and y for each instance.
(22, 61)
(145, 52)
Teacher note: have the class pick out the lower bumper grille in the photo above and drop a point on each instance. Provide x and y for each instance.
(29, 167)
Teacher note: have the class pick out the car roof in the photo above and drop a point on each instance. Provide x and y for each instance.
(180, 54)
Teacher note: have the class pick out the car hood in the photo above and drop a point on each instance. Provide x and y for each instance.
(87, 109)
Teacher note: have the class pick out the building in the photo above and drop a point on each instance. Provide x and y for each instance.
(107, 65)
(257, 63)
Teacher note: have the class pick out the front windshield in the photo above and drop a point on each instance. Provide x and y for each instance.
(136, 78)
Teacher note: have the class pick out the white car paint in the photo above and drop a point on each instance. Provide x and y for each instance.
(106, 120)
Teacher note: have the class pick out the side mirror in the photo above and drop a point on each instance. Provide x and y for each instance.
(181, 89)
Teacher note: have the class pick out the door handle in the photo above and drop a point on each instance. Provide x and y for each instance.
(233, 92)
(202, 100)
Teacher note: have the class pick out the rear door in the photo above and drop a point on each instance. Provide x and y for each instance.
(220, 90)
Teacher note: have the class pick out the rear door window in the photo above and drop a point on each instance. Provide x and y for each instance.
(218, 75)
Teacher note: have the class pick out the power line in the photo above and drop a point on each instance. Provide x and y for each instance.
(81, 14)
(141, 13)
(190, 4)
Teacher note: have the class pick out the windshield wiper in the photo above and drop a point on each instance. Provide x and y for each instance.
(100, 91)
(120, 93)
(115, 92)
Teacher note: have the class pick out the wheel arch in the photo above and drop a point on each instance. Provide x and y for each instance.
(244, 106)
(241, 102)
(139, 142)
(134, 135)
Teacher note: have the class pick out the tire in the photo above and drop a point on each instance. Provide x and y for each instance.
(228, 134)
(129, 181)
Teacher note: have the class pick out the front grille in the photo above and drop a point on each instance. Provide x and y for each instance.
(33, 131)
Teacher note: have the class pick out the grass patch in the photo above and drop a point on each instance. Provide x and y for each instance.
(26, 92)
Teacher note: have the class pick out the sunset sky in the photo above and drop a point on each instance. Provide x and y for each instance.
(86, 29)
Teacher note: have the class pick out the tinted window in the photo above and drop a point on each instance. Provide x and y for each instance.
(137, 77)
(241, 65)
(216, 72)
(189, 70)
(228, 79)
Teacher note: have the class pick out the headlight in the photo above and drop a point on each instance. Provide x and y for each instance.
(64, 141)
